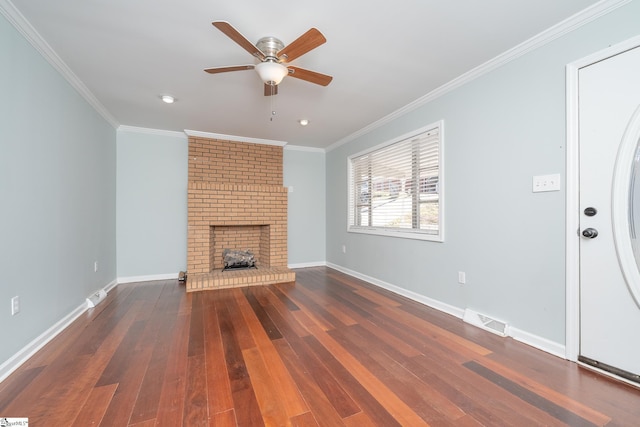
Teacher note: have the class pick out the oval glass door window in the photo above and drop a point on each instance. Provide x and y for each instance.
(634, 204)
(626, 205)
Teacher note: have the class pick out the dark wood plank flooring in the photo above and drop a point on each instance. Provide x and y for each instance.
(329, 350)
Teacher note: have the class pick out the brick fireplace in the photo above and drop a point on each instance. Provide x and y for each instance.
(235, 200)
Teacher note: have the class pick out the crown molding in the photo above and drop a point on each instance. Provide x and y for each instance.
(303, 148)
(564, 27)
(24, 27)
(233, 138)
(149, 131)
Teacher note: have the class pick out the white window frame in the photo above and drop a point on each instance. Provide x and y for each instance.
(401, 232)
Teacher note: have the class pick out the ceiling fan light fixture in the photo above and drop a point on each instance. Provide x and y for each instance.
(271, 53)
(271, 72)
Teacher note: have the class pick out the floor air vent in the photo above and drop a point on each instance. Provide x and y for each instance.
(485, 322)
(96, 298)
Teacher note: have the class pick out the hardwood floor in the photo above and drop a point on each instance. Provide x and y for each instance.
(329, 350)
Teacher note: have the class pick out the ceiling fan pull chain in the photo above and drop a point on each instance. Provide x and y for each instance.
(271, 101)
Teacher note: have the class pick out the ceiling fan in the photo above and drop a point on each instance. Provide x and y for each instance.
(273, 54)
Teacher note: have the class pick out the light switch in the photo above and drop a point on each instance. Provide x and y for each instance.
(546, 183)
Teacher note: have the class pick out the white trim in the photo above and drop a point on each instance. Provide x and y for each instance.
(572, 220)
(524, 337)
(438, 305)
(301, 148)
(308, 264)
(538, 342)
(24, 27)
(572, 255)
(110, 286)
(234, 138)
(30, 349)
(150, 278)
(149, 131)
(570, 24)
(400, 233)
(607, 52)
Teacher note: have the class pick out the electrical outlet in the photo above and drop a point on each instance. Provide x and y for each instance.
(15, 305)
(462, 277)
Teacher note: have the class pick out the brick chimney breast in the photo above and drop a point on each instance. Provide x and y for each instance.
(236, 200)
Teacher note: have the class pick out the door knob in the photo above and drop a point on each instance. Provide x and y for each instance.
(590, 233)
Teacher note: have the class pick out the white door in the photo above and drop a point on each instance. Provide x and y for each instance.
(609, 127)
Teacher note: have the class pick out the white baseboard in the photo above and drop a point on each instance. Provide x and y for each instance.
(111, 285)
(150, 278)
(525, 337)
(308, 264)
(540, 343)
(438, 305)
(30, 349)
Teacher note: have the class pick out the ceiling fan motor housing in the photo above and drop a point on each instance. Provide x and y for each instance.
(270, 46)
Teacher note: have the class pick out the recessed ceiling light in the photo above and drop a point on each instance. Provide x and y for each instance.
(167, 99)
(303, 122)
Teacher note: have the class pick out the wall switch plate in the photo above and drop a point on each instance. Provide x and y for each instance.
(15, 305)
(344, 249)
(462, 277)
(95, 266)
(546, 183)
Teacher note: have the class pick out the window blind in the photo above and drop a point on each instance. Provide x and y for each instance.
(397, 186)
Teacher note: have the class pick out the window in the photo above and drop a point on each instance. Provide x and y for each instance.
(396, 189)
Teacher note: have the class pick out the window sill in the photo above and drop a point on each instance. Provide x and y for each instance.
(404, 234)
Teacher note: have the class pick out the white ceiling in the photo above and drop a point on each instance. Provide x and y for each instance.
(382, 55)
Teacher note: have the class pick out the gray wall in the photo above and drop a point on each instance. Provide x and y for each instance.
(500, 130)
(304, 170)
(151, 203)
(57, 189)
(152, 179)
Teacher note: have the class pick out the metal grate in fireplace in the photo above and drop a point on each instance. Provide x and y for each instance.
(238, 259)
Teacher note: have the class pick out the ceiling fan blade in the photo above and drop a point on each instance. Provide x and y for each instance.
(310, 76)
(217, 70)
(303, 44)
(270, 90)
(235, 35)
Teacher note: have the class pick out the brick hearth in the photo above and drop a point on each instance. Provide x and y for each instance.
(235, 200)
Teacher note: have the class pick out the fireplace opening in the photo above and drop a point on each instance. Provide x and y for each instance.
(229, 244)
(238, 259)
